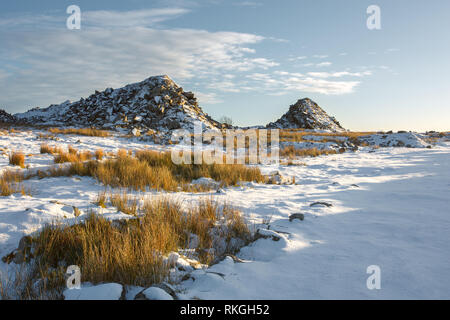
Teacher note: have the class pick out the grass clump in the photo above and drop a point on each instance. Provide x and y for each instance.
(45, 148)
(10, 183)
(133, 251)
(91, 132)
(291, 151)
(151, 169)
(17, 159)
(73, 155)
(99, 154)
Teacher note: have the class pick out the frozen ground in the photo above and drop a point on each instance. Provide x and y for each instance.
(389, 208)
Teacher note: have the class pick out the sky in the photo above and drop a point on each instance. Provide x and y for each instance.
(248, 60)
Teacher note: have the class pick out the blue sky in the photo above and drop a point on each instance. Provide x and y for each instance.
(245, 59)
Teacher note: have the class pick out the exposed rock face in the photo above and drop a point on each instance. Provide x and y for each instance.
(306, 114)
(5, 117)
(156, 103)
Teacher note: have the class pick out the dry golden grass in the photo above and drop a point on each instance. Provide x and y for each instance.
(156, 170)
(10, 183)
(45, 148)
(149, 169)
(12, 130)
(99, 154)
(297, 135)
(132, 252)
(124, 203)
(17, 159)
(83, 132)
(121, 153)
(72, 150)
(291, 151)
(101, 199)
(43, 136)
(72, 156)
(229, 174)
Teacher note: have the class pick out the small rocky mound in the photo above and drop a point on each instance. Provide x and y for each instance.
(306, 114)
(156, 103)
(5, 117)
(401, 139)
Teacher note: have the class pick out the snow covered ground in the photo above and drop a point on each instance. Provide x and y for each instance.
(390, 208)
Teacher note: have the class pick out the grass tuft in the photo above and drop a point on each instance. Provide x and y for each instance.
(17, 159)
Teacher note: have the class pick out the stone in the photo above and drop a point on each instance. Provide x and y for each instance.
(321, 203)
(153, 293)
(299, 216)
(266, 234)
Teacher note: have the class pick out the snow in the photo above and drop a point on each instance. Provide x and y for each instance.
(390, 208)
(108, 291)
(154, 293)
(408, 139)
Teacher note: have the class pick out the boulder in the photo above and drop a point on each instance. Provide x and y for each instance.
(153, 293)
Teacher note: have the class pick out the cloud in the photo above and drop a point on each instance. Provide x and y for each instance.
(339, 74)
(97, 18)
(390, 50)
(53, 65)
(134, 18)
(283, 82)
(324, 64)
(207, 98)
(248, 4)
(297, 58)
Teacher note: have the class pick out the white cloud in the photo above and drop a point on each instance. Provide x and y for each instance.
(248, 4)
(207, 98)
(391, 50)
(134, 18)
(339, 74)
(63, 64)
(324, 64)
(282, 82)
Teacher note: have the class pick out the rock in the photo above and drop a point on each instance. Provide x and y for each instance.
(136, 132)
(321, 203)
(22, 254)
(266, 234)
(25, 243)
(235, 259)
(156, 103)
(306, 114)
(206, 182)
(193, 241)
(172, 259)
(153, 293)
(189, 95)
(299, 216)
(6, 117)
(277, 178)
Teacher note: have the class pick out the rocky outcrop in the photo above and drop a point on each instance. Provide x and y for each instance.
(156, 103)
(306, 114)
(5, 117)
